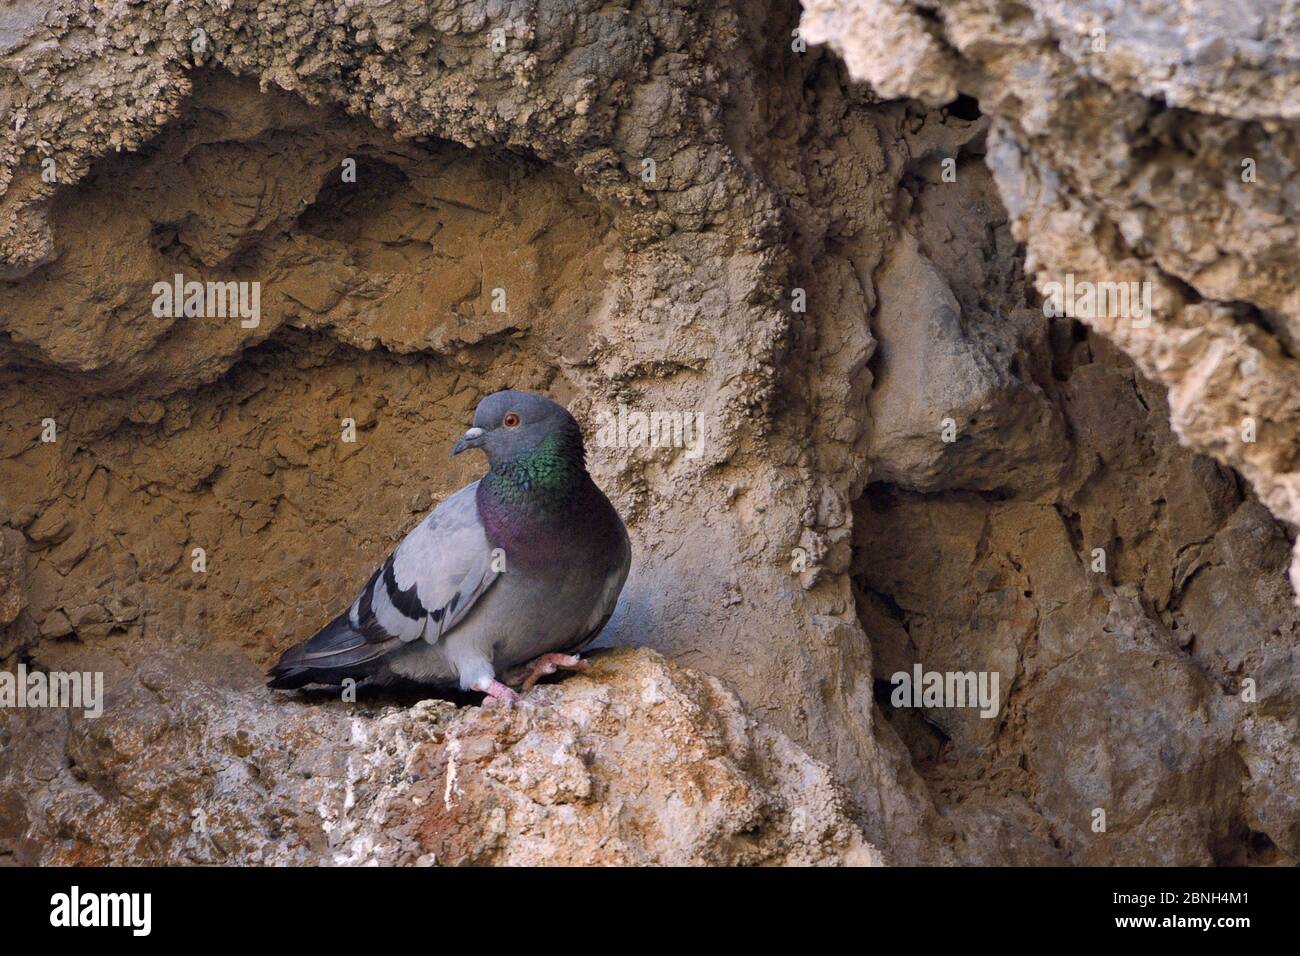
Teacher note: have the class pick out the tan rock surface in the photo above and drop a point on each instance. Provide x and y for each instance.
(826, 534)
(1141, 143)
(637, 761)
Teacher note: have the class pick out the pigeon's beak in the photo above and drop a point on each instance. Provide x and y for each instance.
(471, 439)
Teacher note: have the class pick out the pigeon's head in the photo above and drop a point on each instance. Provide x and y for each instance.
(510, 425)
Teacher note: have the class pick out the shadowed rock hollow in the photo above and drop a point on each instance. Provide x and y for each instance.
(677, 208)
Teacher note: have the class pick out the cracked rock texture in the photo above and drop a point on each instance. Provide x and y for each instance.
(638, 761)
(673, 207)
(1153, 142)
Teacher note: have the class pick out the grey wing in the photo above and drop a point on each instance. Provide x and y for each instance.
(425, 587)
(432, 579)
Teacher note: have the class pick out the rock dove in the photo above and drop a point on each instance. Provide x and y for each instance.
(522, 567)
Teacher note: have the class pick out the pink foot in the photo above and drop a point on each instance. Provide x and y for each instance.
(549, 664)
(498, 691)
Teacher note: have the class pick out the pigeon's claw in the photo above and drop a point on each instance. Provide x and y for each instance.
(549, 664)
(497, 691)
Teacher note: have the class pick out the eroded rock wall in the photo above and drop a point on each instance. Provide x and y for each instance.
(662, 292)
(680, 208)
(1149, 144)
(1130, 589)
(637, 762)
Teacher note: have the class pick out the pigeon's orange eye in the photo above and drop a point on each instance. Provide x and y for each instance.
(511, 420)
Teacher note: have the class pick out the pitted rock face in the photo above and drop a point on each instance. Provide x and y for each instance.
(676, 210)
(637, 761)
(1162, 153)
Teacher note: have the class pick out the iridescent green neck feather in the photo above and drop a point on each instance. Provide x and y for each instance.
(543, 478)
(542, 508)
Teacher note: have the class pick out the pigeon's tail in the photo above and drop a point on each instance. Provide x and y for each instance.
(331, 656)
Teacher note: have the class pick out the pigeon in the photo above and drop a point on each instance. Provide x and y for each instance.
(512, 575)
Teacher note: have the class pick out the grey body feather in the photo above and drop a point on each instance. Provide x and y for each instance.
(444, 610)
